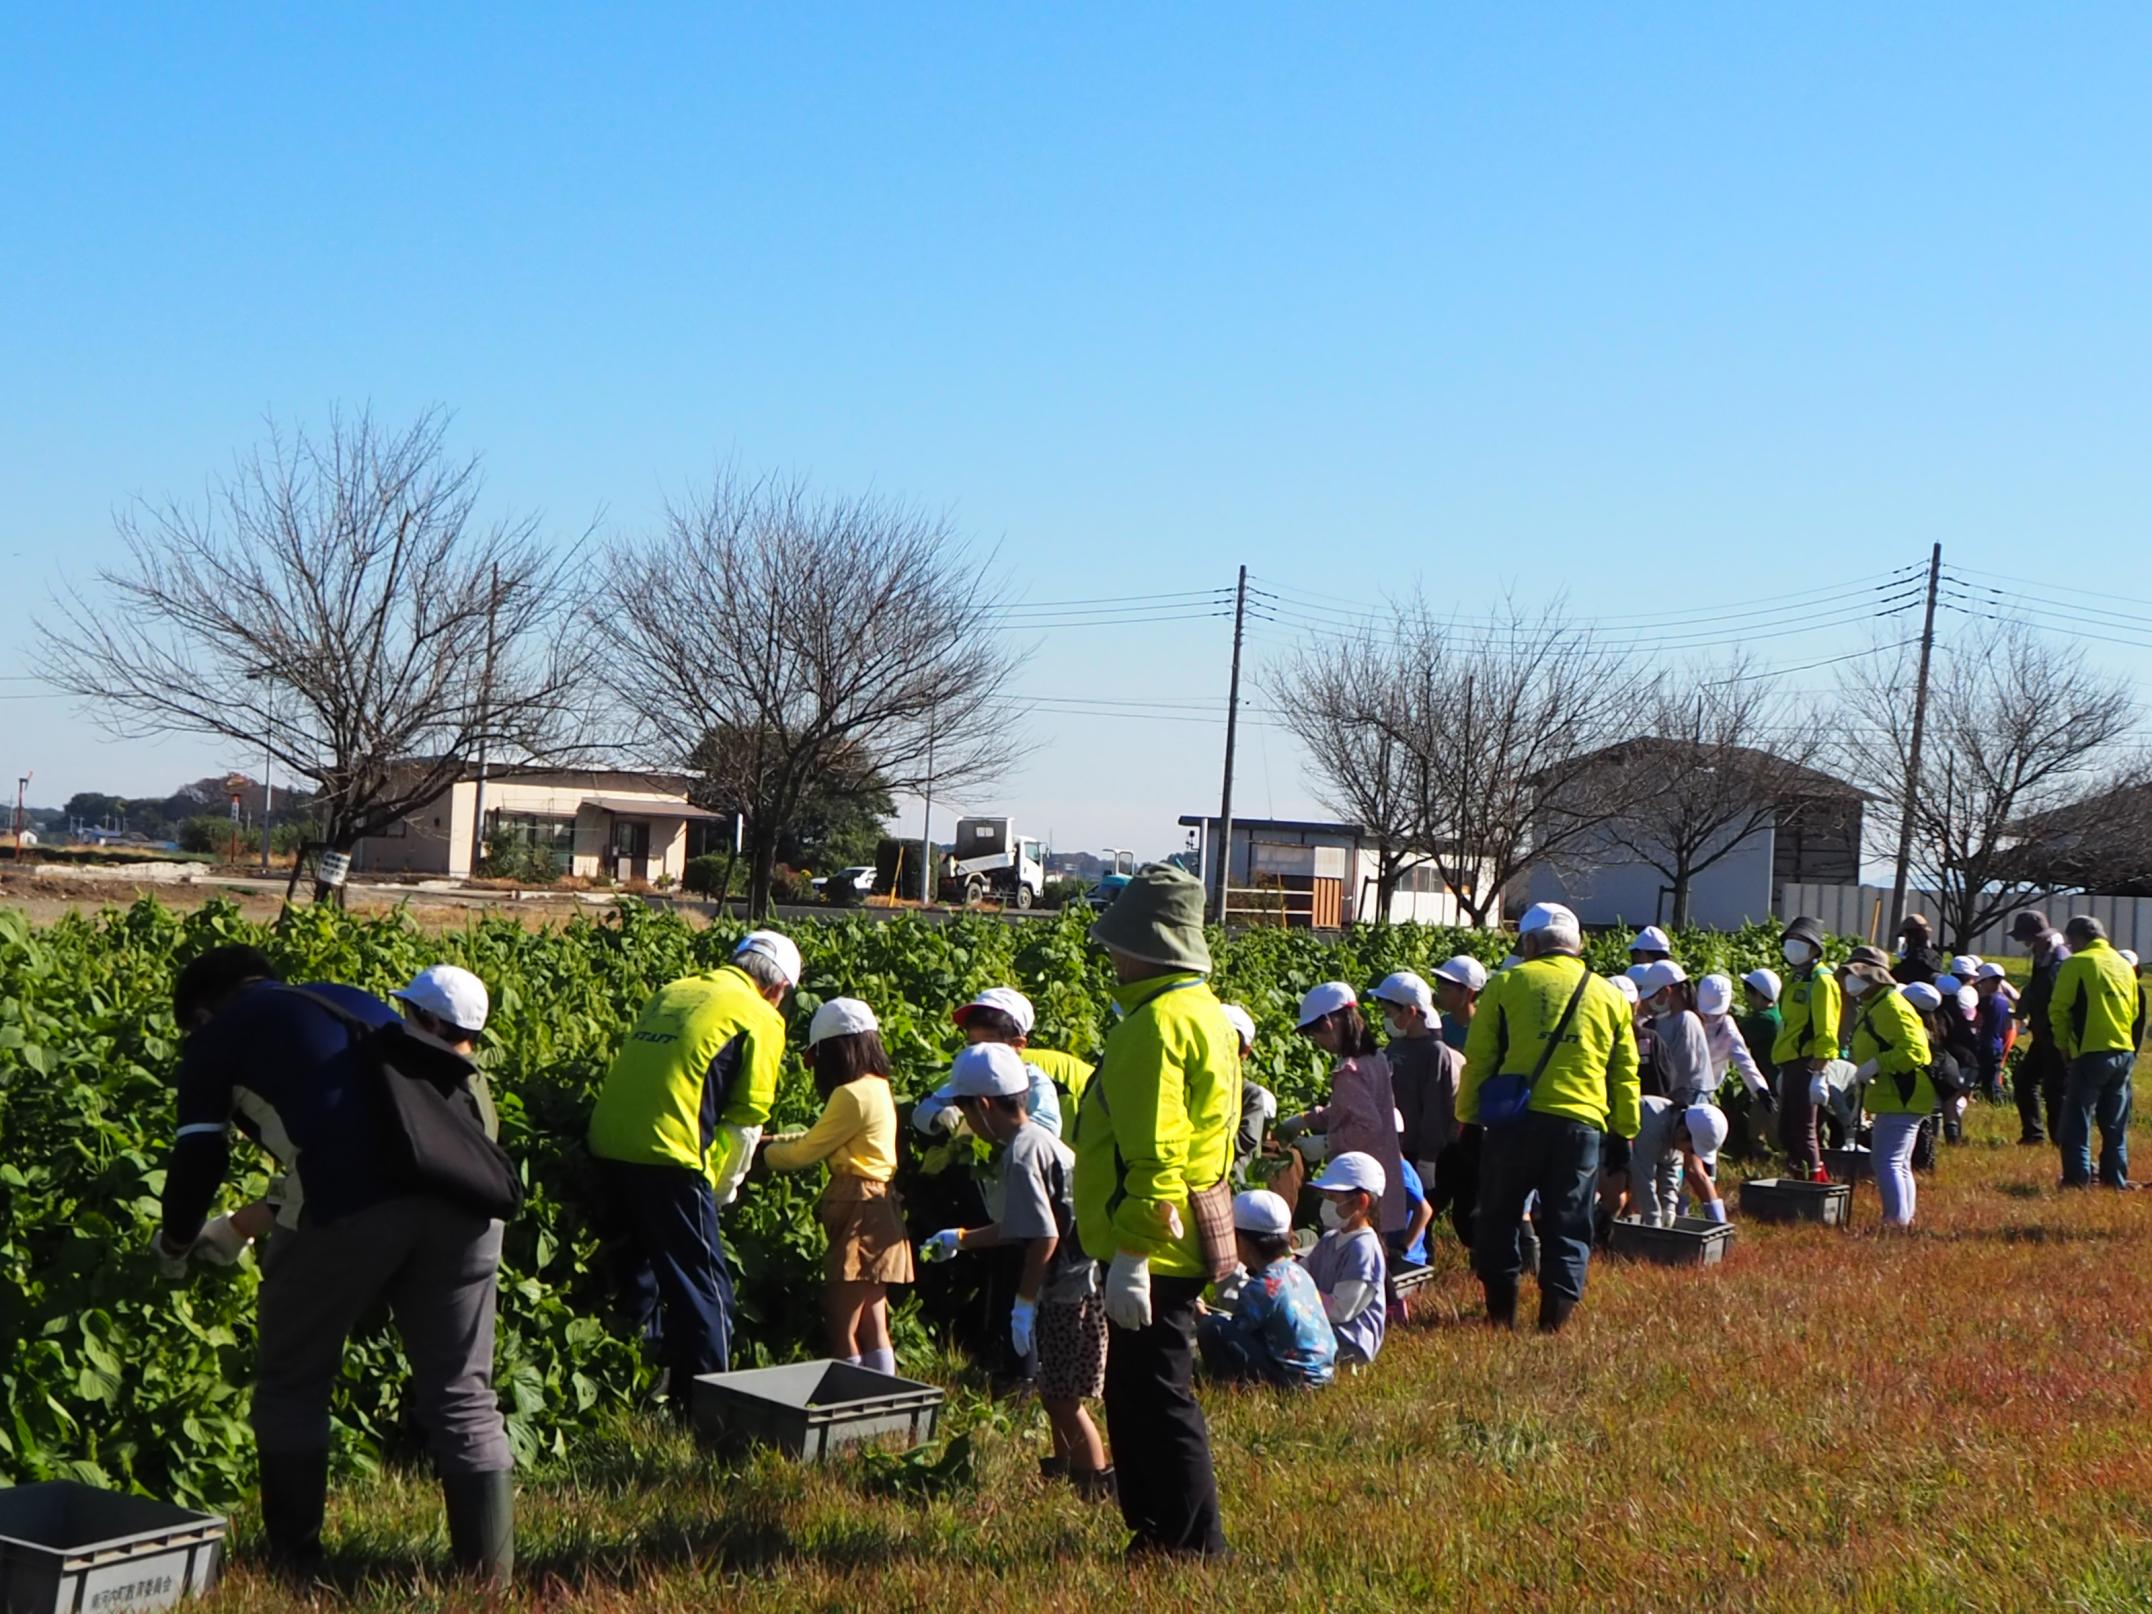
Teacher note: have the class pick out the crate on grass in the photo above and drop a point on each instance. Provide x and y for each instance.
(812, 1409)
(1788, 1199)
(67, 1548)
(1690, 1242)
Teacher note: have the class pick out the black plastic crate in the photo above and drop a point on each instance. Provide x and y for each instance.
(1850, 1165)
(1406, 1281)
(1788, 1199)
(811, 1409)
(67, 1548)
(1690, 1242)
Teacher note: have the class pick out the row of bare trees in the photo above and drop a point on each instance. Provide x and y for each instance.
(1484, 747)
(343, 600)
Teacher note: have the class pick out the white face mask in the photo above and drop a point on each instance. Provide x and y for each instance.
(1333, 1218)
(1398, 1028)
(1856, 986)
(1796, 952)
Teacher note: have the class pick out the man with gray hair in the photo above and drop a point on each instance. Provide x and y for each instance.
(2041, 1069)
(2097, 1021)
(1550, 1071)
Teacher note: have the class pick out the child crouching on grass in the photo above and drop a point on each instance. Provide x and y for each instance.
(1059, 1311)
(857, 1135)
(1277, 1333)
(1349, 1267)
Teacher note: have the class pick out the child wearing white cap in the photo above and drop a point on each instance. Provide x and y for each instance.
(1738, 1084)
(1995, 1029)
(1004, 1015)
(1059, 1313)
(1278, 1332)
(1362, 1112)
(1349, 1265)
(860, 1210)
(1457, 984)
(1676, 1149)
(1425, 1073)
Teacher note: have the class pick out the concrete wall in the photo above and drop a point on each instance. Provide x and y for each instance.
(1850, 910)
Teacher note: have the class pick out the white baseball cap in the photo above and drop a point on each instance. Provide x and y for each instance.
(2129, 958)
(1352, 1170)
(1995, 972)
(1242, 1022)
(1465, 971)
(1968, 1000)
(1764, 981)
(1707, 1129)
(1328, 998)
(1965, 966)
(1657, 976)
(1262, 1212)
(987, 1070)
(1714, 995)
(451, 994)
(1406, 991)
(1006, 999)
(1651, 939)
(1921, 995)
(1542, 914)
(840, 1017)
(1626, 987)
(775, 946)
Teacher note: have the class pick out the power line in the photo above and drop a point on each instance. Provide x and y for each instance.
(2055, 588)
(1706, 639)
(1807, 666)
(1130, 602)
(1772, 616)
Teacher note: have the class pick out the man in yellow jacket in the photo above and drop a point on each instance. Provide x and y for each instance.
(675, 1129)
(1154, 1129)
(1550, 1015)
(2097, 1019)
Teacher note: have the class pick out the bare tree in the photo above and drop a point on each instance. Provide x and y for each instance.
(340, 601)
(1498, 722)
(2018, 725)
(1332, 701)
(1696, 786)
(772, 639)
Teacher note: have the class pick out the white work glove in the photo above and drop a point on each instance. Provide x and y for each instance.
(219, 1243)
(171, 1258)
(1819, 1089)
(1128, 1291)
(949, 1119)
(942, 1246)
(1021, 1317)
(1314, 1148)
(743, 1140)
(1867, 1072)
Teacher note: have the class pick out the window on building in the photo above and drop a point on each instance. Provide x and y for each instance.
(533, 831)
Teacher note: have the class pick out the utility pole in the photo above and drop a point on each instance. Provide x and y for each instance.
(1920, 723)
(1232, 733)
(485, 700)
(268, 798)
(926, 824)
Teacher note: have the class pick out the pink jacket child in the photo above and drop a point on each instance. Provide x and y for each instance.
(1362, 1112)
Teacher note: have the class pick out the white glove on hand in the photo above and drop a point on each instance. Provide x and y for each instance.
(949, 1119)
(1867, 1072)
(1021, 1317)
(1314, 1148)
(171, 1258)
(942, 1246)
(1128, 1291)
(220, 1243)
(741, 1141)
(1819, 1089)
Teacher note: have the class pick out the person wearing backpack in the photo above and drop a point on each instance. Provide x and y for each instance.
(367, 1234)
(1550, 1071)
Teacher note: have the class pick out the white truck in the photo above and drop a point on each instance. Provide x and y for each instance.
(990, 860)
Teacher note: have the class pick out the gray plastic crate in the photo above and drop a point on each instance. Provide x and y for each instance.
(1690, 1242)
(811, 1409)
(74, 1549)
(1406, 1281)
(1849, 1165)
(1788, 1199)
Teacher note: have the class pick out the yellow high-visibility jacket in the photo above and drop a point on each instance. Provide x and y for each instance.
(1808, 1011)
(2096, 1008)
(1592, 1075)
(1888, 1030)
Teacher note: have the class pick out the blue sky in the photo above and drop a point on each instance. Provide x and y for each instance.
(1657, 306)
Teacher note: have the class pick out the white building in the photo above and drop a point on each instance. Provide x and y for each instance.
(622, 825)
(1315, 875)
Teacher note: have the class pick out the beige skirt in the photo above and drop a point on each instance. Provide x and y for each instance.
(865, 1223)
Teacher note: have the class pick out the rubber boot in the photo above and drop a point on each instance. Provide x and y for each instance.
(295, 1493)
(1554, 1311)
(481, 1524)
(1528, 1244)
(1501, 1301)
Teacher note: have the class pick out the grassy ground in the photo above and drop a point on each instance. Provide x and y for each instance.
(1954, 1419)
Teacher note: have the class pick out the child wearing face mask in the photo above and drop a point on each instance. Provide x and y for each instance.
(1424, 1072)
(1278, 1332)
(1807, 1042)
(1349, 1267)
(1362, 1113)
(1738, 1086)
(1681, 1052)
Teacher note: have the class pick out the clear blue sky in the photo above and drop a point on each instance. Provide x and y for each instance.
(1654, 305)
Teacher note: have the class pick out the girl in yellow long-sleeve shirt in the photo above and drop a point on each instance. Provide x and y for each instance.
(857, 1136)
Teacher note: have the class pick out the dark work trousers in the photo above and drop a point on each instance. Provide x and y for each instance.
(1797, 1122)
(1559, 1157)
(674, 1272)
(1161, 1445)
(1456, 1184)
(436, 1266)
(2038, 1083)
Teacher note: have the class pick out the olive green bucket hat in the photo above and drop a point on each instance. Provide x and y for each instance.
(1158, 917)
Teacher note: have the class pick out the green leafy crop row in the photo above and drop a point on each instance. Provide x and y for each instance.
(113, 1375)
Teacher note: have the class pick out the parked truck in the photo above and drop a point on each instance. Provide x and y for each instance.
(991, 861)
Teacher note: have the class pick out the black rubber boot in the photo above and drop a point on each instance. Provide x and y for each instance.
(295, 1493)
(481, 1524)
(1554, 1311)
(1501, 1301)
